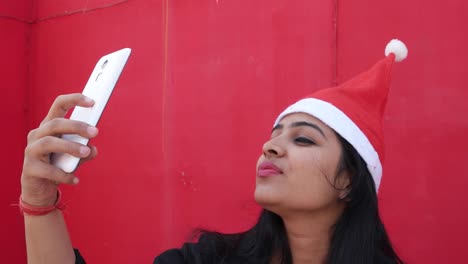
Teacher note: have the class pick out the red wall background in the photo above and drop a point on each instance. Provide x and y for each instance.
(14, 69)
(182, 132)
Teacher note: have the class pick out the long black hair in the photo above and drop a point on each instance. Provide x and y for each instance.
(359, 236)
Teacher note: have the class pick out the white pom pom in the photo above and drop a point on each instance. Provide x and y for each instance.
(398, 48)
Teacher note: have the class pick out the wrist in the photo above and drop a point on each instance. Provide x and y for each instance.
(35, 210)
(40, 200)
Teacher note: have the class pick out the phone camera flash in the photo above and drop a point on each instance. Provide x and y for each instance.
(98, 78)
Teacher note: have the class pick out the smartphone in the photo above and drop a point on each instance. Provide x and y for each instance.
(99, 87)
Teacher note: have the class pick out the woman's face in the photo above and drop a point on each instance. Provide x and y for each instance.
(298, 167)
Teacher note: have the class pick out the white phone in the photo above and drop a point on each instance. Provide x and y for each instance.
(100, 85)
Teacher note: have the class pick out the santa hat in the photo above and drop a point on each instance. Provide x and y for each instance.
(355, 108)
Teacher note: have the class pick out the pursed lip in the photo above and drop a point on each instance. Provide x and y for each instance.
(268, 168)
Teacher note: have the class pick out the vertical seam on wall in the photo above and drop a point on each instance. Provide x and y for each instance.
(28, 89)
(165, 16)
(167, 199)
(335, 44)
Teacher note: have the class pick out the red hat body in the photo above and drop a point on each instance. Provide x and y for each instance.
(355, 109)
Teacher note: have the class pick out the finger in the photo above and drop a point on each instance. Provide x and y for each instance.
(36, 169)
(43, 147)
(60, 126)
(63, 103)
(91, 156)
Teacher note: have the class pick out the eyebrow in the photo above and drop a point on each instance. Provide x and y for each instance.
(299, 124)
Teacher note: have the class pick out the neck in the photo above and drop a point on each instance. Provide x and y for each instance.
(309, 235)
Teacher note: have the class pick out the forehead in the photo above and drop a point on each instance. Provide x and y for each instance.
(303, 117)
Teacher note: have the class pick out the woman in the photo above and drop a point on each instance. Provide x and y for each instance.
(317, 180)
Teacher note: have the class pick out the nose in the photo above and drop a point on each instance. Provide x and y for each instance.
(272, 148)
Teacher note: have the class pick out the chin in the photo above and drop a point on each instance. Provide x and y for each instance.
(266, 197)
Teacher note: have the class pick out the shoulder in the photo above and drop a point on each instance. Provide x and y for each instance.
(170, 256)
(210, 248)
(189, 253)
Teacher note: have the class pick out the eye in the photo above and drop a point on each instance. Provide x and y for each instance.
(304, 141)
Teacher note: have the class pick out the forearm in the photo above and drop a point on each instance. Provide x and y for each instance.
(47, 239)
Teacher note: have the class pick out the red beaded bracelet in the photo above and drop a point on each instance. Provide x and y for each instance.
(38, 210)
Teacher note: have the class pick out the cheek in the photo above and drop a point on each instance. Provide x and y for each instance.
(308, 169)
(310, 184)
(318, 166)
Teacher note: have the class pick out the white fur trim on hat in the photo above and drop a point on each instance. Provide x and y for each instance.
(343, 125)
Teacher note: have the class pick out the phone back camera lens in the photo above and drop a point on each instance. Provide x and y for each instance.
(104, 64)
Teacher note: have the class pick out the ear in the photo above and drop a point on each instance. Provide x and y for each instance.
(343, 184)
(344, 194)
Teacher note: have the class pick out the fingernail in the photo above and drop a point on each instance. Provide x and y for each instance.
(84, 150)
(88, 100)
(76, 180)
(92, 131)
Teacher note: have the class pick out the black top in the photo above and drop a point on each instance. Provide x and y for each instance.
(190, 254)
(169, 257)
(173, 256)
